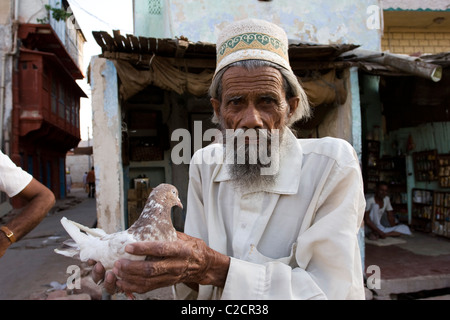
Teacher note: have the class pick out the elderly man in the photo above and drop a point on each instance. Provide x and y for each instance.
(286, 234)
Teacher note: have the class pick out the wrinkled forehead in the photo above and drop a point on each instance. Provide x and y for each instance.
(240, 79)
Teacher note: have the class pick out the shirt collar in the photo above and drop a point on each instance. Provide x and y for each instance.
(290, 169)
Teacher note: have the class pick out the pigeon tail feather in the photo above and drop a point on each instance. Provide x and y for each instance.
(74, 230)
(69, 252)
(96, 232)
(70, 249)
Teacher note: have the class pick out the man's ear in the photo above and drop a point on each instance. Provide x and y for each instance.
(293, 105)
(216, 105)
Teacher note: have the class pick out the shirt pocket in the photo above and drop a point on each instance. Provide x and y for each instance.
(257, 257)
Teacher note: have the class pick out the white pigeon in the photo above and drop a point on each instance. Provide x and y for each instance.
(154, 224)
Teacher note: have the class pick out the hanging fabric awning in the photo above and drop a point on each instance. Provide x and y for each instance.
(163, 75)
(322, 89)
(184, 67)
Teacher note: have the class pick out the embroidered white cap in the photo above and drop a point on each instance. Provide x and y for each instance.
(252, 39)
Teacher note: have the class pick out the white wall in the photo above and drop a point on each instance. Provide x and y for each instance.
(77, 166)
(321, 21)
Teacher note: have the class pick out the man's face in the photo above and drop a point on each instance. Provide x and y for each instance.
(382, 191)
(253, 99)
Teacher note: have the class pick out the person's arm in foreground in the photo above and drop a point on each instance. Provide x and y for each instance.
(40, 201)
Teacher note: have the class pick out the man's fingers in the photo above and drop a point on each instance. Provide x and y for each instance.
(138, 271)
(91, 262)
(154, 248)
(143, 286)
(98, 272)
(127, 269)
(110, 282)
(142, 276)
(100, 276)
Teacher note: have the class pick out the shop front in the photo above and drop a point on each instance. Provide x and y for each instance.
(406, 142)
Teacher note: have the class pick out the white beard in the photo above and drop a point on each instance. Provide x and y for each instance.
(255, 165)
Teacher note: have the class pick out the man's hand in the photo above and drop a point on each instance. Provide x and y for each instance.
(188, 260)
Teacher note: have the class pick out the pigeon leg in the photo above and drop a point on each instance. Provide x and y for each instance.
(131, 296)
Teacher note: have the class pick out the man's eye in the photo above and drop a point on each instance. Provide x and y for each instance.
(268, 100)
(234, 102)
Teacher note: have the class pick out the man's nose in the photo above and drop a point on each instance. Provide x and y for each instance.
(251, 118)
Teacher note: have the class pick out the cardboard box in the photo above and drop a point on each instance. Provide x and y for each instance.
(132, 196)
(136, 202)
(133, 212)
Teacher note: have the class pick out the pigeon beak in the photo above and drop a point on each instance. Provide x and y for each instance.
(179, 203)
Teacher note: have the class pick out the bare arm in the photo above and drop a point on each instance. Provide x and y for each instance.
(40, 201)
(391, 218)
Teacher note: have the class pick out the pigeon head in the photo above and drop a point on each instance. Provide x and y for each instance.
(160, 202)
(167, 195)
(155, 221)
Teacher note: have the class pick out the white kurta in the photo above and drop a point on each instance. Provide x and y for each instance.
(294, 240)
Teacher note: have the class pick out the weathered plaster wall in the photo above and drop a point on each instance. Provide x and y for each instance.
(356, 112)
(6, 62)
(322, 21)
(106, 113)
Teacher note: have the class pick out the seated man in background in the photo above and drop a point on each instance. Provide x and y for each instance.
(377, 206)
